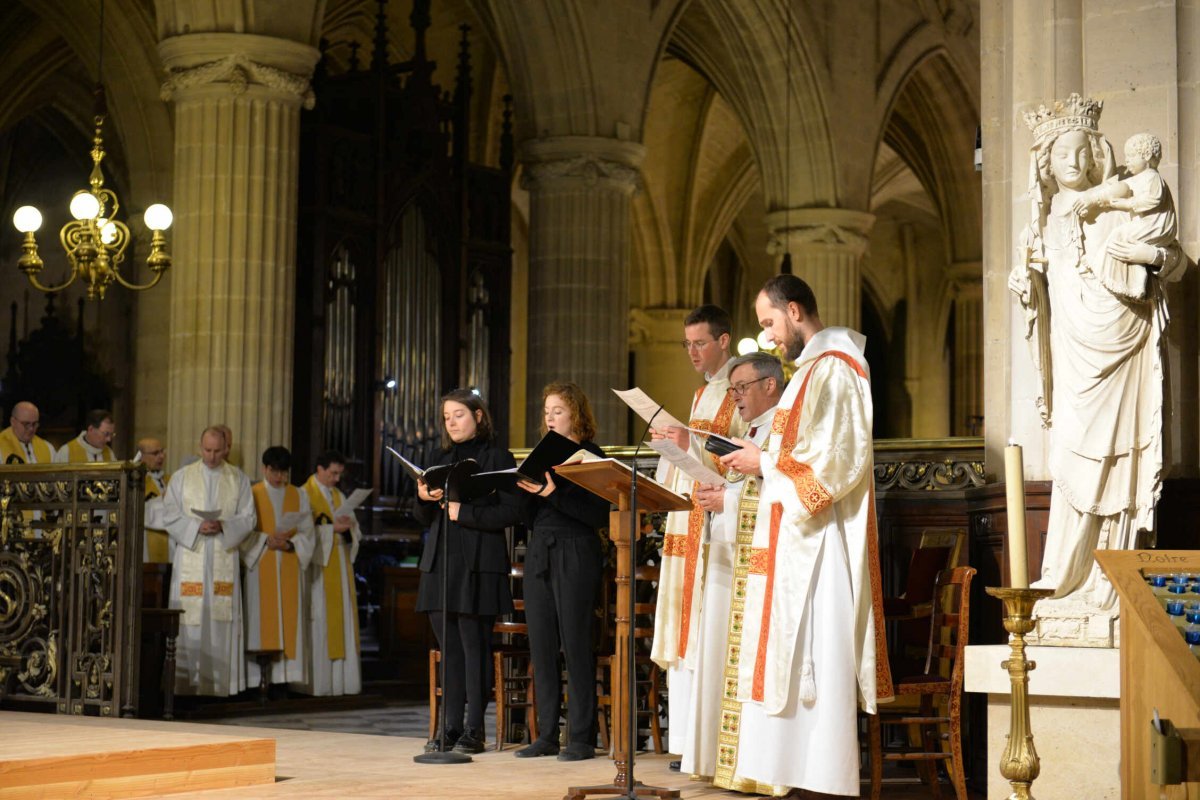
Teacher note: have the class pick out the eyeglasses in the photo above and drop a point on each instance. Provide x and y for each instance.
(739, 389)
(697, 346)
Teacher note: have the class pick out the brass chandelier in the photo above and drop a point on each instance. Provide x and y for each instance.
(95, 240)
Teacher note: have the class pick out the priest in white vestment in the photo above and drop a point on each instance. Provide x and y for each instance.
(755, 384)
(208, 512)
(335, 666)
(813, 648)
(277, 555)
(706, 333)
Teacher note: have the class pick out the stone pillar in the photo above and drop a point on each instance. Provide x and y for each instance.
(237, 123)
(967, 279)
(661, 367)
(580, 190)
(827, 246)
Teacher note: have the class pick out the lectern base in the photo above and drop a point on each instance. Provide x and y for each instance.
(613, 790)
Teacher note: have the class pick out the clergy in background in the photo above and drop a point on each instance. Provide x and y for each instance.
(712, 743)
(813, 648)
(209, 510)
(706, 336)
(156, 548)
(93, 443)
(19, 442)
(335, 654)
(277, 555)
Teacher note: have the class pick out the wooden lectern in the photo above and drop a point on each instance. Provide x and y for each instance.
(612, 480)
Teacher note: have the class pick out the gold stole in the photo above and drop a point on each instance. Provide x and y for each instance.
(158, 544)
(277, 585)
(76, 454)
(333, 575)
(729, 736)
(13, 452)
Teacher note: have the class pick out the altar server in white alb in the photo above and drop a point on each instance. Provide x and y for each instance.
(706, 332)
(813, 648)
(277, 554)
(334, 604)
(208, 511)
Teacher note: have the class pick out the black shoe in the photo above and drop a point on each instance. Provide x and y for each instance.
(577, 752)
(434, 744)
(674, 765)
(470, 742)
(540, 747)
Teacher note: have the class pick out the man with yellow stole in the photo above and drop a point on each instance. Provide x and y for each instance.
(157, 546)
(813, 647)
(706, 333)
(19, 442)
(334, 667)
(93, 443)
(277, 556)
(710, 747)
(209, 510)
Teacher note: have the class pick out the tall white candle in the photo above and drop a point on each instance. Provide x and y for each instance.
(1014, 484)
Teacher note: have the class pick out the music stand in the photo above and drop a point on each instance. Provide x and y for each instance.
(614, 481)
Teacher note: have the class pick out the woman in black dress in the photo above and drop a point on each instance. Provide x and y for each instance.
(564, 561)
(477, 559)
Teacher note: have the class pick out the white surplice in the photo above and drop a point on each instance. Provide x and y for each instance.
(700, 745)
(205, 579)
(681, 575)
(328, 675)
(292, 670)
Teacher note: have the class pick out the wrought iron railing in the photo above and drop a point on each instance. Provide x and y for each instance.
(70, 586)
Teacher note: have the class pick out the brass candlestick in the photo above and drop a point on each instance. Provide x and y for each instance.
(1020, 763)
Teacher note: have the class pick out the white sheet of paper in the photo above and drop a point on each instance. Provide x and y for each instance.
(346, 509)
(691, 467)
(137, 457)
(290, 521)
(647, 409)
(208, 516)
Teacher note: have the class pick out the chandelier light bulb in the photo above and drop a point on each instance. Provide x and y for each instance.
(747, 346)
(765, 342)
(158, 217)
(84, 205)
(108, 231)
(27, 219)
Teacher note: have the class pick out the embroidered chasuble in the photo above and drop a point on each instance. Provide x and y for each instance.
(812, 643)
(334, 602)
(157, 546)
(205, 579)
(276, 590)
(14, 451)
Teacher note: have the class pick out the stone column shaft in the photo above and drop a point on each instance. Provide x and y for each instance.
(579, 251)
(968, 351)
(827, 246)
(237, 126)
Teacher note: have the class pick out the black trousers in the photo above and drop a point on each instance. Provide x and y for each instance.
(467, 660)
(559, 606)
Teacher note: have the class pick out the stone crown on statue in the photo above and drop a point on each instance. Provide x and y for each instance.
(1074, 113)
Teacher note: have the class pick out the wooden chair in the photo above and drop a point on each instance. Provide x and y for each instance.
(937, 691)
(647, 678)
(908, 614)
(513, 668)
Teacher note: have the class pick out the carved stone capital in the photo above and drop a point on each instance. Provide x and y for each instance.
(967, 277)
(236, 63)
(584, 160)
(656, 326)
(795, 230)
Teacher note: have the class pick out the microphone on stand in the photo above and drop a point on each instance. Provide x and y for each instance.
(631, 666)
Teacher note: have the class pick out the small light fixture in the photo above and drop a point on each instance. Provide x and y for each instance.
(765, 342)
(747, 346)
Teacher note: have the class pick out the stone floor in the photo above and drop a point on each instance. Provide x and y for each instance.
(411, 721)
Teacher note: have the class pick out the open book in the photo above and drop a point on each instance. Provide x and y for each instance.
(552, 450)
(434, 477)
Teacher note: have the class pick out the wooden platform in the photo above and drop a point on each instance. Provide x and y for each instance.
(47, 756)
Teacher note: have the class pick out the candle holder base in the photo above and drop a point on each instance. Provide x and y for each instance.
(1019, 764)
